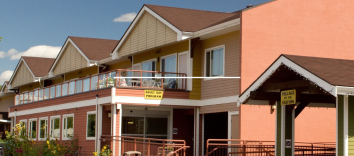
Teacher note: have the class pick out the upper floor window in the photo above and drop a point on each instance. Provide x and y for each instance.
(214, 61)
(169, 64)
(149, 65)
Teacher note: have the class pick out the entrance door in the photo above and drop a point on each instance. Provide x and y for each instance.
(182, 67)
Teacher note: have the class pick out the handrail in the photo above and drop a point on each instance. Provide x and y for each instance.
(104, 80)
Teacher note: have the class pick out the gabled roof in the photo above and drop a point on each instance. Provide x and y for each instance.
(326, 73)
(39, 66)
(94, 48)
(191, 20)
(4, 86)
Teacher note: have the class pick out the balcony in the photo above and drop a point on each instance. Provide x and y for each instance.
(121, 78)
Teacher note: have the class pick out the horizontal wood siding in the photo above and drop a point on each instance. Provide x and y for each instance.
(223, 87)
(22, 76)
(6, 102)
(86, 147)
(219, 108)
(63, 100)
(148, 32)
(71, 59)
(140, 93)
(197, 71)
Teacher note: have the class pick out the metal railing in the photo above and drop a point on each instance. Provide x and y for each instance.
(118, 78)
(235, 147)
(148, 146)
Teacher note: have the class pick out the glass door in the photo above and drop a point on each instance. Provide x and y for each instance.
(147, 127)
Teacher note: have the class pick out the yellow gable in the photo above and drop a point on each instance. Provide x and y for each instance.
(149, 32)
(22, 76)
(71, 59)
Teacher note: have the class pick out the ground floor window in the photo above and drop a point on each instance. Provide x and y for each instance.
(91, 125)
(147, 127)
(43, 128)
(55, 127)
(32, 129)
(23, 123)
(68, 126)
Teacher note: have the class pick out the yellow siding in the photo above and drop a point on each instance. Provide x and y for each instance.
(22, 76)
(148, 32)
(81, 73)
(167, 50)
(223, 87)
(70, 60)
(58, 80)
(121, 65)
(6, 102)
(29, 87)
(197, 70)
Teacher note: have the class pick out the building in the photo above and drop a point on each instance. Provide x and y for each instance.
(79, 87)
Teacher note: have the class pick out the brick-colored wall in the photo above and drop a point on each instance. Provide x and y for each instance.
(321, 28)
(86, 147)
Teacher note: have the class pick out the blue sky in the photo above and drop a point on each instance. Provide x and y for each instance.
(40, 27)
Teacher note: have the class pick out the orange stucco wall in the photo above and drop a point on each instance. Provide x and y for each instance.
(322, 28)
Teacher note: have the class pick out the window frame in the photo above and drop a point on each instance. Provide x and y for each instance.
(166, 56)
(89, 113)
(205, 59)
(146, 61)
(39, 129)
(29, 129)
(62, 126)
(50, 126)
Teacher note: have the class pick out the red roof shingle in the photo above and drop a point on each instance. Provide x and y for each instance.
(38, 65)
(94, 48)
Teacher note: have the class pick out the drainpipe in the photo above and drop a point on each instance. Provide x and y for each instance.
(96, 124)
(15, 118)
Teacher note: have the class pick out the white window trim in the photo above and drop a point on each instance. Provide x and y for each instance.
(89, 113)
(29, 131)
(50, 126)
(25, 120)
(210, 49)
(39, 129)
(62, 126)
(166, 56)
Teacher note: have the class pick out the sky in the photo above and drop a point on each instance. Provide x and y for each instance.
(40, 27)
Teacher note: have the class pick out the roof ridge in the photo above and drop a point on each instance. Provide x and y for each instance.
(316, 57)
(189, 9)
(37, 57)
(92, 38)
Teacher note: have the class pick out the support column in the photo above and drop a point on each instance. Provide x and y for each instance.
(351, 125)
(285, 116)
(340, 125)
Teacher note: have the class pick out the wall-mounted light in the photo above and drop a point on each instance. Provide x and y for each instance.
(109, 115)
(274, 106)
(130, 122)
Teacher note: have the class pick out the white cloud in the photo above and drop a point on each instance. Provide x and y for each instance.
(36, 51)
(128, 17)
(5, 76)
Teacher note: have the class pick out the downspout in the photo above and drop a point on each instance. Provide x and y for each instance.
(96, 124)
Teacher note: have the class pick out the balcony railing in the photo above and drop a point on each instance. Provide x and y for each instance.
(119, 78)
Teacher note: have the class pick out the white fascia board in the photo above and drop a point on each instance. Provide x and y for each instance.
(141, 12)
(345, 90)
(85, 103)
(218, 27)
(303, 72)
(61, 52)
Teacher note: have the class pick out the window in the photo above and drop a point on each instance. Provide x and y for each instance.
(65, 89)
(25, 98)
(103, 80)
(32, 130)
(35, 95)
(149, 66)
(17, 100)
(43, 128)
(91, 125)
(147, 127)
(55, 127)
(169, 64)
(58, 91)
(46, 93)
(21, 98)
(52, 92)
(214, 62)
(68, 126)
(23, 123)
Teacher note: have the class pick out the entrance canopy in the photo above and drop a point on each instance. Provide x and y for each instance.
(317, 81)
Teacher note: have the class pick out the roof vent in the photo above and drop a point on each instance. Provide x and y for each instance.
(248, 6)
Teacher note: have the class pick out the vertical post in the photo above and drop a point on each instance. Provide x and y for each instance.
(340, 125)
(118, 78)
(163, 148)
(122, 142)
(141, 80)
(134, 144)
(149, 147)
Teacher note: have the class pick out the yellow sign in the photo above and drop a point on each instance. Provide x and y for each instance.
(288, 97)
(153, 94)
